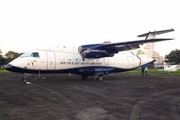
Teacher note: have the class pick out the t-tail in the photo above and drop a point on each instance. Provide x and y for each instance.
(146, 49)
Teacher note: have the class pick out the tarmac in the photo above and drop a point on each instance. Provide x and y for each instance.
(63, 97)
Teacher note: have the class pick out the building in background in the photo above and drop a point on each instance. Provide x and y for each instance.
(159, 60)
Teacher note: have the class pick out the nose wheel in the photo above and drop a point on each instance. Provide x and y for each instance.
(24, 80)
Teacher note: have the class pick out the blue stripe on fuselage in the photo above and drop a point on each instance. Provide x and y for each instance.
(88, 71)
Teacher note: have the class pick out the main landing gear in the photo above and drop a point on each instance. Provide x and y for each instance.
(96, 77)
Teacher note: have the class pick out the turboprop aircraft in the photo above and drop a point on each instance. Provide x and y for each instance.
(90, 60)
(171, 68)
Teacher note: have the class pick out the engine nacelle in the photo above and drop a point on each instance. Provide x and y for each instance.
(93, 51)
(95, 54)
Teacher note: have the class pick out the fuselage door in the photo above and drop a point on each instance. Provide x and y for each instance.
(51, 60)
(105, 61)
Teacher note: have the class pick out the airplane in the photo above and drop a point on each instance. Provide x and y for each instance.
(171, 68)
(90, 60)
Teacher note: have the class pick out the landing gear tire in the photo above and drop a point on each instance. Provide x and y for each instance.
(24, 80)
(98, 78)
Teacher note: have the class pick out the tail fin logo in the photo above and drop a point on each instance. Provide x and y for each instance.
(140, 52)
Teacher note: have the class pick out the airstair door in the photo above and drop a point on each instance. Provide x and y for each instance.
(51, 60)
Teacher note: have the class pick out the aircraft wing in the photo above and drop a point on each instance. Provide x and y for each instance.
(108, 50)
(122, 46)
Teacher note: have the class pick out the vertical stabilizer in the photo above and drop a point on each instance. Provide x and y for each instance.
(147, 48)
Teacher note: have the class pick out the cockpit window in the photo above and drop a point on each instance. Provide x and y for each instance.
(30, 54)
(35, 54)
(26, 54)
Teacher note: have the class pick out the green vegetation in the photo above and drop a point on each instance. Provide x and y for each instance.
(155, 72)
(3, 70)
(173, 56)
(8, 57)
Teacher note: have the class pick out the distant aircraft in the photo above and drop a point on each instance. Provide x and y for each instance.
(171, 68)
(90, 60)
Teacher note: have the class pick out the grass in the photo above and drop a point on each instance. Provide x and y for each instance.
(155, 72)
(3, 70)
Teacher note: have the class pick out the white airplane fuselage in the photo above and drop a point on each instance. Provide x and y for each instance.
(54, 61)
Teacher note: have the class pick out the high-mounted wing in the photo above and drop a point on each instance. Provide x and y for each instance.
(129, 45)
(108, 50)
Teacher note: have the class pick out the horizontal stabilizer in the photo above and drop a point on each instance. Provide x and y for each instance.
(156, 33)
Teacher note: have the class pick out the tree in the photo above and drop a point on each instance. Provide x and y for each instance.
(2, 61)
(10, 55)
(173, 56)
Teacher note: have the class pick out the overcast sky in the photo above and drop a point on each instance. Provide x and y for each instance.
(31, 24)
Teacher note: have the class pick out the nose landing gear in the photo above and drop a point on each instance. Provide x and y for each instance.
(24, 79)
(26, 75)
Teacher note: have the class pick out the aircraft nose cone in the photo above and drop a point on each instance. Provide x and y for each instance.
(13, 68)
(9, 67)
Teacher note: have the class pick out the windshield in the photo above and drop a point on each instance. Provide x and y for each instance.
(30, 54)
